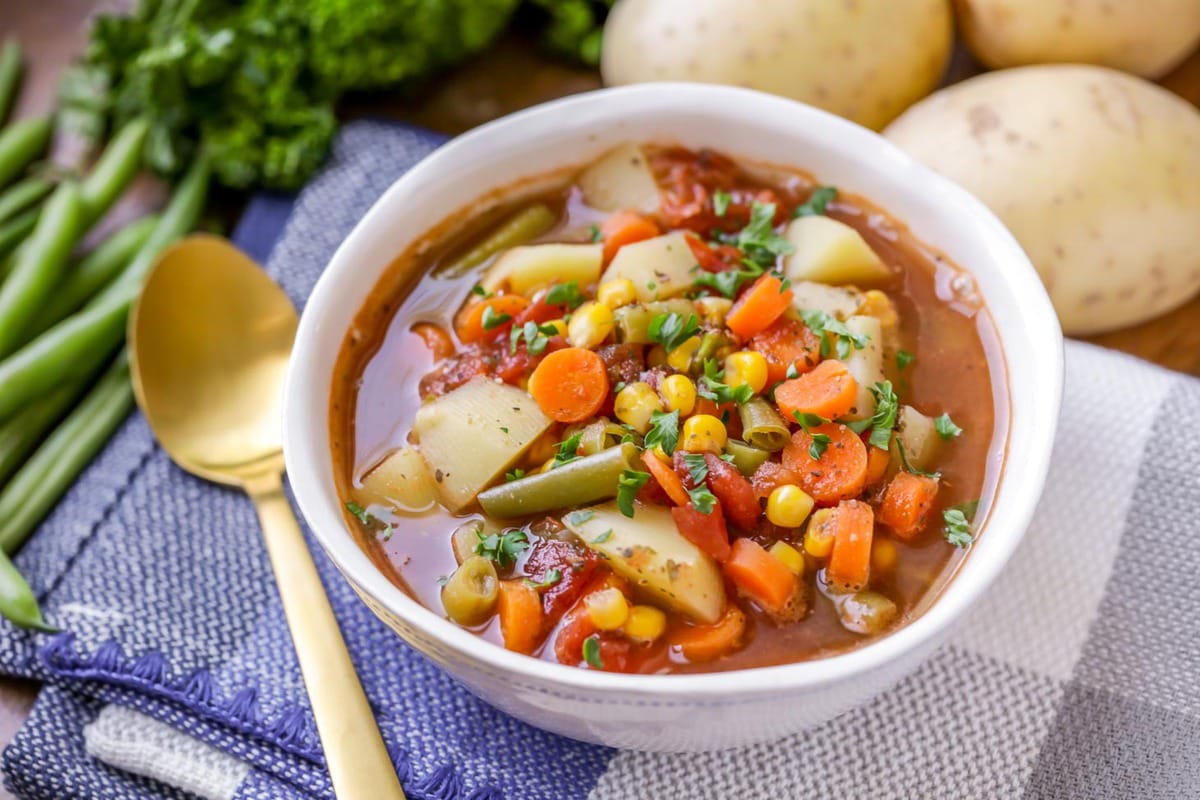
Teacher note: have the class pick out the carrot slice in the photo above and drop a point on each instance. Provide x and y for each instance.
(709, 642)
(877, 464)
(828, 391)
(907, 501)
(849, 566)
(435, 338)
(760, 575)
(666, 477)
(786, 344)
(841, 471)
(769, 477)
(469, 324)
(625, 227)
(758, 307)
(520, 610)
(570, 385)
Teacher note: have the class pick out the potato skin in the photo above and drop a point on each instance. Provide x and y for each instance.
(1146, 37)
(866, 61)
(1096, 172)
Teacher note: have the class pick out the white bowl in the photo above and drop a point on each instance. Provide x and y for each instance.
(680, 712)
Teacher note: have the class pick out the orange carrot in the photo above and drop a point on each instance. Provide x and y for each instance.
(760, 575)
(666, 477)
(841, 470)
(625, 227)
(769, 477)
(850, 562)
(709, 642)
(520, 610)
(570, 385)
(907, 502)
(828, 391)
(469, 324)
(787, 344)
(758, 307)
(877, 464)
(435, 338)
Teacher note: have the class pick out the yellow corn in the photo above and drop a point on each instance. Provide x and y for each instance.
(818, 539)
(607, 609)
(634, 404)
(679, 393)
(703, 433)
(559, 325)
(590, 325)
(788, 506)
(681, 357)
(713, 310)
(792, 558)
(746, 368)
(883, 555)
(877, 304)
(615, 294)
(656, 356)
(645, 623)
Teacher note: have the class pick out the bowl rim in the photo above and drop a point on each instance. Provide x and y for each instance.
(973, 576)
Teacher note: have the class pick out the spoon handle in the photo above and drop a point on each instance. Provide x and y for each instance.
(358, 761)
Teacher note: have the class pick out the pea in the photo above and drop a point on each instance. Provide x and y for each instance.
(867, 612)
(470, 594)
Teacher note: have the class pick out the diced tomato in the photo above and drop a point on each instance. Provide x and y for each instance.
(706, 531)
(770, 476)
(714, 258)
(787, 343)
(512, 367)
(568, 644)
(625, 362)
(577, 566)
(539, 311)
(453, 372)
(734, 491)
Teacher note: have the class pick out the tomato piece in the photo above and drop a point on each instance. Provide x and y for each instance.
(577, 566)
(706, 531)
(734, 491)
(770, 476)
(787, 343)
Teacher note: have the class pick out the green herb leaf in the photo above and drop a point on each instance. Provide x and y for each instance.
(595, 233)
(833, 330)
(958, 528)
(482, 292)
(727, 283)
(969, 509)
(792, 373)
(567, 450)
(671, 330)
(807, 421)
(820, 443)
(858, 425)
(364, 516)
(720, 201)
(581, 516)
(513, 475)
(887, 406)
(908, 467)
(604, 537)
(710, 386)
(565, 294)
(758, 240)
(627, 488)
(697, 467)
(664, 431)
(536, 337)
(816, 202)
(591, 652)
(702, 499)
(946, 427)
(492, 320)
(550, 578)
(903, 359)
(502, 548)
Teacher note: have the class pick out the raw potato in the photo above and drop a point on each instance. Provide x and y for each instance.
(660, 268)
(401, 481)
(621, 179)
(527, 268)
(866, 365)
(828, 251)
(1147, 37)
(866, 60)
(1096, 173)
(836, 301)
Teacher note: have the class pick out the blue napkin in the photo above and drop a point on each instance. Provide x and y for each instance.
(163, 587)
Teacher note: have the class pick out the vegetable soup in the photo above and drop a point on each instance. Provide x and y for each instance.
(671, 413)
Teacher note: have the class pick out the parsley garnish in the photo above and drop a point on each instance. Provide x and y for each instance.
(903, 358)
(792, 373)
(364, 516)
(887, 405)
(591, 652)
(697, 467)
(513, 475)
(502, 548)
(664, 431)
(815, 204)
(711, 386)
(830, 328)
(820, 441)
(720, 202)
(595, 233)
(702, 498)
(671, 330)
(491, 319)
(958, 528)
(580, 517)
(726, 283)
(565, 294)
(946, 427)
(536, 337)
(551, 577)
(627, 488)
(568, 450)
(758, 240)
(482, 292)
(807, 421)
(604, 537)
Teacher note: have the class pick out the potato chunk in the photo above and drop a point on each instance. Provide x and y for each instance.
(660, 268)
(828, 251)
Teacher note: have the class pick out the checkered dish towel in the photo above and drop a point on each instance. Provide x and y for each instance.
(1078, 675)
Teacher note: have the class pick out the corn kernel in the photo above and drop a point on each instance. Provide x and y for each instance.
(645, 623)
(788, 506)
(818, 539)
(746, 368)
(607, 609)
(660, 454)
(792, 558)
(877, 304)
(681, 357)
(615, 294)
(656, 356)
(883, 555)
(559, 325)
(590, 325)
(713, 310)
(634, 404)
(679, 393)
(703, 433)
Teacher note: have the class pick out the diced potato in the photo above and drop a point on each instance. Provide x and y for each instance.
(836, 301)
(661, 267)
(829, 251)
(650, 553)
(527, 268)
(866, 365)
(402, 482)
(920, 439)
(471, 435)
(620, 179)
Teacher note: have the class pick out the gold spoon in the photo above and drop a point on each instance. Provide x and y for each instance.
(209, 340)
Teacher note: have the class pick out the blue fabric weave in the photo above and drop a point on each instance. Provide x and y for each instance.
(164, 588)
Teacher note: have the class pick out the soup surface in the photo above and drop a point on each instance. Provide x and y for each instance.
(672, 414)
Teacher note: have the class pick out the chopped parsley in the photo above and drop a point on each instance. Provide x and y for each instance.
(887, 406)
(514, 474)
(595, 233)
(720, 201)
(958, 528)
(581, 516)
(820, 441)
(758, 240)
(627, 488)
(702, 499)
(946, 427)
(792, 373)
(815, 205)
(591, 652)
(568, 450)
(482, 292)
(664, 431)
(697, 468)
(710, 386)
(604, 537)
(363, 516)
(726, 283)
(903, 359)
(831, 329)
(502, 548)
(536, 337)
(552, 577)
(565, 294)
(671, 330)
(807, 421)
(492, 320)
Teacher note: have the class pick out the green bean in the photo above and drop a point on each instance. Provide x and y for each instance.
(21, 196)
(20, 143)
(526, 224)
(18, 604)
(710, 347)
(21, 434)
(39, 265)
(600, 435)
(470, 594)
(633, 321)
(114, 170)
(746, 458)
(10, 76)
(575, 483)
(12, 233)
(48, 473)
(762, 427)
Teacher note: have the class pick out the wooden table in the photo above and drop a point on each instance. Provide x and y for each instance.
(513, 75)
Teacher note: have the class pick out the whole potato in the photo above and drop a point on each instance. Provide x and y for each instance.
(1097, 174)
(1147, 37)
(866, 60)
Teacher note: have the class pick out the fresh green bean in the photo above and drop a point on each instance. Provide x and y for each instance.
(12, 233)
(746, 458)
(18, 604)
(10, 76)
(39, 265)
(575, 483)
(762, 427)
(710, 347)
(20, 143)
(48, 473)
(633, 321)
(114, 170)
(21, 434)
(21, 196)
(600, 435)
(526, 224)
